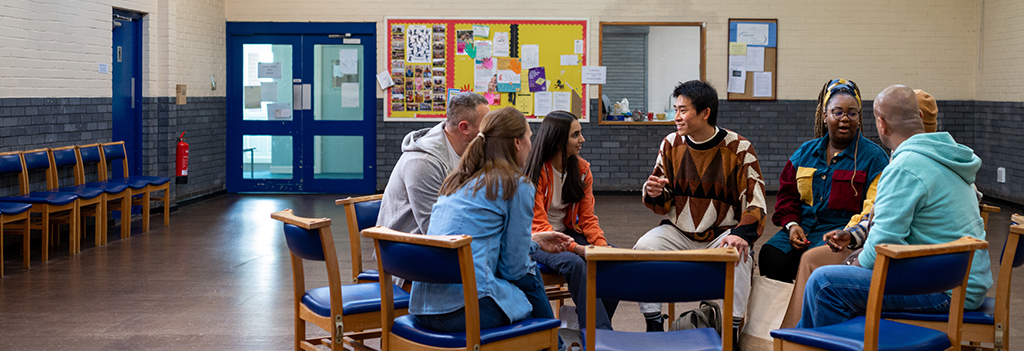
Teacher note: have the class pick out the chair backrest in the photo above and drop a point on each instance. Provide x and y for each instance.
(91, 154)
(11, 162)
(1011, 251)
(63, 157)
(450, 260)
(360, 213)
(310, 239)
(920, 269)
(38, 159)
(114, 152)
(635, 275)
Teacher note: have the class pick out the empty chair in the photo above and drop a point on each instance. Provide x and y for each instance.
(445, 260)
(91, 201)
(360, 213)
(635, 275)
(899, 270)
(14, 212)
(115, 152)
(350, 313)
(117, 192)
(46, 203)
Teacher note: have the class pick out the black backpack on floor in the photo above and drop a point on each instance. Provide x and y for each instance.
(708, 315)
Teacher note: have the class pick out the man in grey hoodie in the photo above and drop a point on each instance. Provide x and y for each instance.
(428, 155)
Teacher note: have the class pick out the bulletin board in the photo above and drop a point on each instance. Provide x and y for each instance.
(752, 59)
(533, 65)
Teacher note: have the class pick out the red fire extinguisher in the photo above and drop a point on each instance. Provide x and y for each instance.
(182, 161)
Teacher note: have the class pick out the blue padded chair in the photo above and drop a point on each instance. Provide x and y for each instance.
(14, 212)
(117, 192)
(350, 313)
(989, 323)
(899, 270)
(360, 213)
(115, 152)
(91, 201)
(633, 275)
(45, 203)
(450, 262)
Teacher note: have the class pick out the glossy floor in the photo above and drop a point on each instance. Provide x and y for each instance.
(220, 279)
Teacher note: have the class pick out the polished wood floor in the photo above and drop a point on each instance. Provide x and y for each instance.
(220, 279)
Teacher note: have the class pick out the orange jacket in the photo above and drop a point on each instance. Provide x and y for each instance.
(579, 216)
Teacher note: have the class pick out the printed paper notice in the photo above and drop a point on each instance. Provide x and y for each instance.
(577, 46)
(481, 31)
(762, 84)
(501, 44)
(737, 62)
(268, 91)
(349, 61)
(569, 60)
(252, 96)
(736, 48)
(417, 44)
(270, 70)
(755, 59)
(531, 56)
(594, 74)
(524, 103)
(349, 94)
(384, 80)
(541, 103)
(752, 33)
(483, 72)
(562, 101)
(281, 111)
(737, 81)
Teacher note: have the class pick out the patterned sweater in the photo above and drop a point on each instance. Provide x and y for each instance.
(713, 187)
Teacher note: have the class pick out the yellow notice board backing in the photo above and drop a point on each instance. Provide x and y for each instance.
(534, 65)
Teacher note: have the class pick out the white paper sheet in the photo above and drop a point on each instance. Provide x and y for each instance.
(483, 49)
(562, 101)
(752, 33)
(530, 56)
(509, 76)
(482, 75)
(541, 103)
(577, 46)
(384, 79)
(737, 82)
(568, 60)
(501, 44)
(268, 91)
(349, 61)
(252, 97)
(417, 44)
(594, 74)
(755, 59)
(279, 111)
(270, 70)
(481, 31)
(349, 94)
(737, 62)
(762, 84)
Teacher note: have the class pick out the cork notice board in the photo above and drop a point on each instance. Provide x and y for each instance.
(750, 36)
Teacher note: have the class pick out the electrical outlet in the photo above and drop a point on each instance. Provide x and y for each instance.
(1001, 174)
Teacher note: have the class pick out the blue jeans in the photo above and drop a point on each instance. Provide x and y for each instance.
(574, 269)
(491, 316)
(837, 293)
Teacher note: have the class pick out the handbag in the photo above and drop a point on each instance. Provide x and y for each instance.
(769, 300)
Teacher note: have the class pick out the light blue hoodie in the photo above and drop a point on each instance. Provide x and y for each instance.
(925, 197)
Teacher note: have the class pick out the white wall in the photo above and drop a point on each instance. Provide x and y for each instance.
(669, 62)
(1002, 58)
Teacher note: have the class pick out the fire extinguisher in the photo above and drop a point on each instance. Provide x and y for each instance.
(182, 161)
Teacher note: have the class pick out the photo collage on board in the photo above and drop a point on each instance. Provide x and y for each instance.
(418, 60)
(398, 91)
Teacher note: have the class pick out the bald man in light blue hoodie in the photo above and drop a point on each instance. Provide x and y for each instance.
(925, 196)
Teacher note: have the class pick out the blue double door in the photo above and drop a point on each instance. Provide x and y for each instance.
(301, 107)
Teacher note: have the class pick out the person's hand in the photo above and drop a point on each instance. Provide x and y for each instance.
(553, 242)
(797, 237)
(739, 243)
(837, 240)
(654, 186)
(580, 250)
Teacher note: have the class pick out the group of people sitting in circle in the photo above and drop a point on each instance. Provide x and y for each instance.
(528, 199)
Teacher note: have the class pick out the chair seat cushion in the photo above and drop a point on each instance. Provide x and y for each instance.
(136, 184)
(545, 269)
(369, 275)
(355, 298)
(702, 339)
(409, 327)
(82, 191)
(108, 187)
(983, 315)
(13, 208)
(43, 197)
(849, 336)
(151, 179)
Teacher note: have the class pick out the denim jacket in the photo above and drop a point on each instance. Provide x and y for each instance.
(501, 249)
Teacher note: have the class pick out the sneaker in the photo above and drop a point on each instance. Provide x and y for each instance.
(567, 314)
(656, 324)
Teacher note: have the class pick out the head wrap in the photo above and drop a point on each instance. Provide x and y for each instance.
(929, 110)
(838, 83)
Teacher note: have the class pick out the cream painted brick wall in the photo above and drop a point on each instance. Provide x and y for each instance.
(1002, 61)
(930, 45)
(199, 47)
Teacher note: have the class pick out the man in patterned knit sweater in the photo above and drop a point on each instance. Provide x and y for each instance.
(707, 181)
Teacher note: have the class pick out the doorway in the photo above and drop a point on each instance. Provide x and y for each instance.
(126, 82)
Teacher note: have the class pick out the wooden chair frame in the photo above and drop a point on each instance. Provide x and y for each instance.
(461, 243)
(355, 246)
(25, 250)
(885, 255)
(45, 210)
(344, 329)
(121, 199)
(597, 254)
(146, 196)
(97, 204)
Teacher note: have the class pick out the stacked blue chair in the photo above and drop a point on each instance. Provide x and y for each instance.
(46, 203)
(350, 313)
(91, 201)
(899, 270)
(991, 322)
(115, 152)
(117, 192)
(632, 275)
(360, 213)
(14, 212)
(450, 262)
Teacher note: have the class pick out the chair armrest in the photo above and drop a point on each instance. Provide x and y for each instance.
(352, 200)
(289, 217)
(989, 208)
(606, 253)
(907, 251)
(442, 241)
